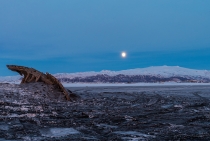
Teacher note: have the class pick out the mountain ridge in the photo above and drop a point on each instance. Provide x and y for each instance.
(149, 74)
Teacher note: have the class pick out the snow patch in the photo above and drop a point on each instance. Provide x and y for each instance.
(58, 132)
(4, 126)
(133, 135)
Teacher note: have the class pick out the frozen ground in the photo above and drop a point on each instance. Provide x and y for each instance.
(130, 113)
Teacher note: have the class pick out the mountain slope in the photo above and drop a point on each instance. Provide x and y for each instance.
(150, 74)
(164, 71)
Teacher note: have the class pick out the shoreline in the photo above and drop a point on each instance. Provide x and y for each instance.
(132, 84)
(124, 84)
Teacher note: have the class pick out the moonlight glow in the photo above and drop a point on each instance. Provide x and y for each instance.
(123, 54)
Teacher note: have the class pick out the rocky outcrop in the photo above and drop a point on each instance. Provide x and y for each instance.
(33, 75)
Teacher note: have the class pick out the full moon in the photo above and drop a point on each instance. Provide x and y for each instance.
(123, 54)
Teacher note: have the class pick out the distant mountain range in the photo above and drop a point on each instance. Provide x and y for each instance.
(148, 75)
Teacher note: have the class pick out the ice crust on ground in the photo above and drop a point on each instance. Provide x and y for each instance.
(133, 133)
(4, 126)
(58, 132)
(134, 136)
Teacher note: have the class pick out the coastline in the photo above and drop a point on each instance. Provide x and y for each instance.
(131, 84)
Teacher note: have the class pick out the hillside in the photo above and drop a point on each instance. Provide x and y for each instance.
(148, 75)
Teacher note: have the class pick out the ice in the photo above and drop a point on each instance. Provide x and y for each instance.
(2, 139)
(178, 106)
(13, 115)
(176, 126)
(4, 126)
(58, 132)
(152, 101)
(24, 108)
(166, 106)
(30, 115)
(27, 138)
(133, 135)
(134, 139)
(106, 126)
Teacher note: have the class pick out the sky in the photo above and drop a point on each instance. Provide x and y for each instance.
(79, 35)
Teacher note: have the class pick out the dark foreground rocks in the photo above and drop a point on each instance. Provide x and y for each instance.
(39, 112)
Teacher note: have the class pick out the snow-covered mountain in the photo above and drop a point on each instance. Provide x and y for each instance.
(164, 71)
(150, 74)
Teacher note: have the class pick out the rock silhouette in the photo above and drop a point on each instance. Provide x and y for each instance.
(33, 75)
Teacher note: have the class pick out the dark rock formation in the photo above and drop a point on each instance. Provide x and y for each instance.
(33, 75)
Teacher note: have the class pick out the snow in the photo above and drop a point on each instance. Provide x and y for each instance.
(134, 136)
(58, 132)
(4, 126)
(10, 79)
(29, 115)
(160, 71)
(106, 126)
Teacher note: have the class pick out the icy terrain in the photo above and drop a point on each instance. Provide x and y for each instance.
(10, 79)
(37, 112)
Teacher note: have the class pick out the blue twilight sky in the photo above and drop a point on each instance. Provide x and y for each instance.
(89, 35)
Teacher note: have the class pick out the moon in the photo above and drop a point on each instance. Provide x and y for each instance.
(123, 54)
